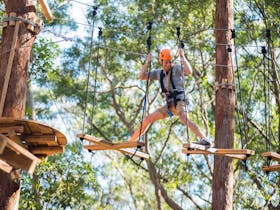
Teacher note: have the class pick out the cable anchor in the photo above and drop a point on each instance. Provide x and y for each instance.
(94, 12)
(233, 35)
(264, 51)
(100, 32)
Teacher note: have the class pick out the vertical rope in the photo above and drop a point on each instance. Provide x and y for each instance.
(268, 36)
(181, 45)
(89, 67)
(244, 114)
(95, 75)
(149, 44)
(266, 67)
(264, 51)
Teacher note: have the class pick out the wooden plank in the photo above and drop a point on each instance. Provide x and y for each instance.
(272, 155)
(218, 150)
(47, 150)
(6, 129)
(17, 156)
(18, 160)
(116, 146)
(122, 150)
(136, 154)
(50, 140)
(271, 168)
(199, 147)
(5, 167)
(33, 128)
(46, 10)
(128, 144)
(108, 145)
(17, 148)
(95, 139)
(3, 144)
(201, 152)
(9, 68)
(95, 147)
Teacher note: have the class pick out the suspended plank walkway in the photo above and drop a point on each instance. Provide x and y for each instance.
(123, 147)
(241, 154)
(24, 142)
(272, 156)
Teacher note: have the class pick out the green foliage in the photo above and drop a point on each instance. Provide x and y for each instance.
(112, 99)
(43, 60)
(62, 181)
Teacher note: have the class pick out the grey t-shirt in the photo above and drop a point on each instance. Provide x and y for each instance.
(177, 77)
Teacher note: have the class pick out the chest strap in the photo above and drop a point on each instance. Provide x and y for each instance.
(170, 80)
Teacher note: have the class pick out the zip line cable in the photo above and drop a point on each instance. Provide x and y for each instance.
(130, 52)
(89, 67)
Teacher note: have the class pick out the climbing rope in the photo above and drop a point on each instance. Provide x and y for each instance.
(95, 75)
(238, 93)
(149, 44)
(266, 88)
(181, 45)
(89, 67)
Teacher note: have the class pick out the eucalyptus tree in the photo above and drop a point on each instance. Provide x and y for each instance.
(110, 103)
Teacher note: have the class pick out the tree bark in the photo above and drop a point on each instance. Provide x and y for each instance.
(14, 103)
(225, 106)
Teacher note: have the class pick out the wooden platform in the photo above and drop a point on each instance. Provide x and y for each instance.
(17, 156)
(273, 156)
(23, 141)
(241, 154)
(124, 147)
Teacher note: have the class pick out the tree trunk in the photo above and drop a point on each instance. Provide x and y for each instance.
(14, 103)
(225, 106)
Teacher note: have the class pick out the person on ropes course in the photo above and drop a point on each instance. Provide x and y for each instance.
(171, 79)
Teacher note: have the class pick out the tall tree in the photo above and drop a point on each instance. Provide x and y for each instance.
(225, 105)
(188, 184)
(16, 46)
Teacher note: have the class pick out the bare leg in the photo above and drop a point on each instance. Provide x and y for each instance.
(194, 128)
(147, 121)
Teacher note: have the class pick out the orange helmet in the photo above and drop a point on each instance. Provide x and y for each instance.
(165, 54)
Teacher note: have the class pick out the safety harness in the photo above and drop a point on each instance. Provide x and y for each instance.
(170, 96)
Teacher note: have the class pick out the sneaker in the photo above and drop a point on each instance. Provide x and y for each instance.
(203, 142)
